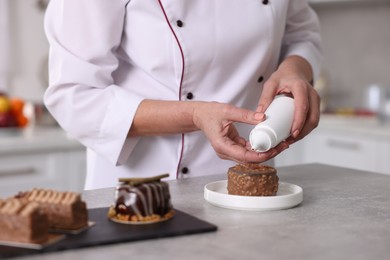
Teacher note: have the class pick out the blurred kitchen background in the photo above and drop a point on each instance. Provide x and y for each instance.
(354, 85)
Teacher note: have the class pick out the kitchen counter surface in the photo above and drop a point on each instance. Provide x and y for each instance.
(345, 214)
(16, 141)
(368, 126)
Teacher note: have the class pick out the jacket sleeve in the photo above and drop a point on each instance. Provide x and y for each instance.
(302, 35)
(82, 95)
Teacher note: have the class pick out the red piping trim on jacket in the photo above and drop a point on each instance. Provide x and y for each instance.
(181, 81)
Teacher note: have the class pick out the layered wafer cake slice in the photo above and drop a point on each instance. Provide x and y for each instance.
(65, 210)
(22, 221)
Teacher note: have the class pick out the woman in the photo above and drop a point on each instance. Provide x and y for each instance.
(153, 86)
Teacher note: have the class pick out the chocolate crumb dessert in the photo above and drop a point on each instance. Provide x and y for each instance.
(141, 201)
(252, 180)
(22, 221)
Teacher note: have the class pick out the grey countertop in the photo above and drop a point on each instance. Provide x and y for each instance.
(345, 214)
(369, 127)
(15, 141)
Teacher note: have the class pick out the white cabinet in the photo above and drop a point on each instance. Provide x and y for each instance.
(76, 169)
(41, 160)
(342, 149)
(292, 156)
(55, 170)
(357, 146)
(384, 157)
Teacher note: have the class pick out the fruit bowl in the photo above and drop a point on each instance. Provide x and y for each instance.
(11, 112)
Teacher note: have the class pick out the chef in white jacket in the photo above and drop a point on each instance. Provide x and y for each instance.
(169, 86)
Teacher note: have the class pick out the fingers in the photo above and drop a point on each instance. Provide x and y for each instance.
(230, 150)
(306, 101)
(312, 117)
(241, 115)
(300, 92)
(224, 137)
(270, 89)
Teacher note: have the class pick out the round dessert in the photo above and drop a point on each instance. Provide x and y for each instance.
(141, 201)
(252, 180)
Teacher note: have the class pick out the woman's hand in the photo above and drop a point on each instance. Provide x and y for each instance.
(293, 77)
(217, 120)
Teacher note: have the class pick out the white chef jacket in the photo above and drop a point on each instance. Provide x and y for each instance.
(107, 56)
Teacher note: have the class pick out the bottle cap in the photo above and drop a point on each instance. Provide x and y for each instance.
(262, 139)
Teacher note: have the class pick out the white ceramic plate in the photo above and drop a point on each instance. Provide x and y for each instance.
(289, 195)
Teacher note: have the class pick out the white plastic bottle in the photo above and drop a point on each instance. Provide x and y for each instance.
(276, 127)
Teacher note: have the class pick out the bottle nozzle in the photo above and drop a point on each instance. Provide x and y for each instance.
(262, 139)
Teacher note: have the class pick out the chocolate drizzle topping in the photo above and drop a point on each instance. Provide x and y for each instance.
(143, 196)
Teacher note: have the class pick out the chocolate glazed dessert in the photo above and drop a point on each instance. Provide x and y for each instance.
(252, 180)
(141, 201)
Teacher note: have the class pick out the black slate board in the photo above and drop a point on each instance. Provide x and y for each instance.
(107, 232)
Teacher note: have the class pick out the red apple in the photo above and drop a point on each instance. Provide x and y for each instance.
(7, 120)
